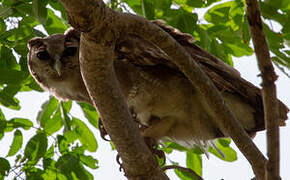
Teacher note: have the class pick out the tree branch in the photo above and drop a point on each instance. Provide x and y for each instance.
(105, 26)
(225, 119)
(268, 90)
(96, 62)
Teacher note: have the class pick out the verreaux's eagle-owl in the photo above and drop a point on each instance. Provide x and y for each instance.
(156, 91)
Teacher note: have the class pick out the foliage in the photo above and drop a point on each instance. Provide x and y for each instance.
(61, 142)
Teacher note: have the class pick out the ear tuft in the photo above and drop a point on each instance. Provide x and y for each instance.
(33, 42)
(72, 33)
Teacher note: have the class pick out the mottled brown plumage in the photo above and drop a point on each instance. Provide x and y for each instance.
(156, 91)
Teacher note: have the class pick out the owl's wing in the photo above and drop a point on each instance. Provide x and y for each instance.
(143, 53)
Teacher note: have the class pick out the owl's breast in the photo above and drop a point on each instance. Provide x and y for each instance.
(70, 88)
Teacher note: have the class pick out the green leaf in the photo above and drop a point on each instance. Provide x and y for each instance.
(16, 144)
(277, 4)
(58, 6)
(271, 13)
(2, 116)
(7, 59)
(50, 152)
(3, 26)
(194, 162)
(5, 12)
(4, 166)
(49, 116)
(62, 144)
(54, 124)
(51, 173)
(204, 39)
(34, 173)
(7, 97)
(182, 20)
(3, 125)
(162, 5)
(30, 84)
(90, 113)
(40, 10)
(86, 136)
(64, 109)
(148, 9)
(47, 109)
(175, 146)
(19, 122)
(224, 142)
(70, 166)
(89, 161)
(78, 150)
(275, 40)
(245, 31)
(195, 3)
(219, 14)
(223, 145)
(135, 6)
(282, 58)
(236, 14)
(36, 148)
(9, 76)
(71, 136)
(239, 49)
(183, 175)
(54, 24)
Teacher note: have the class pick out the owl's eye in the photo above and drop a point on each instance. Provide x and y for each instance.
(43, 55)
(70, 51)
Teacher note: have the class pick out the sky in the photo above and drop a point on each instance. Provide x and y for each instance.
(213, 168)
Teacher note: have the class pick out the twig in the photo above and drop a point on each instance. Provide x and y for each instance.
(182, 169)
(268, 90)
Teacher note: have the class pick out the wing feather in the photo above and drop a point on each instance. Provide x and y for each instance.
(143, 53)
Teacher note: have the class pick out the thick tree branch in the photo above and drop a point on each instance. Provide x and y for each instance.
(268, 89)
(96, 62)
(102, 23)
(97, 71)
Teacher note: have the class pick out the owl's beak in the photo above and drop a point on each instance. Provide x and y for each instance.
(57, 65)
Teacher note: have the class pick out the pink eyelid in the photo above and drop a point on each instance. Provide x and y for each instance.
(66, 44)
(42, 47)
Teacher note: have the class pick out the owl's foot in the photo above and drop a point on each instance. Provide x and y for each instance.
(153, 146)
(118, 159)
(103, 131)
(158, 127)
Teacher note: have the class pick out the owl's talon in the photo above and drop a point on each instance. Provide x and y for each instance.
(153, 146)
(102, 129)
(118, 158)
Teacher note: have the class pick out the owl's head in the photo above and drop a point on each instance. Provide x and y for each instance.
(53, 61)
(50, 57)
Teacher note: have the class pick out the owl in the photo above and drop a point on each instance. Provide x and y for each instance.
(156, 91)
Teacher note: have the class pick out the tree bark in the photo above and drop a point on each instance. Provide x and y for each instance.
(96, 62)
(268, 90)
(102, 27)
